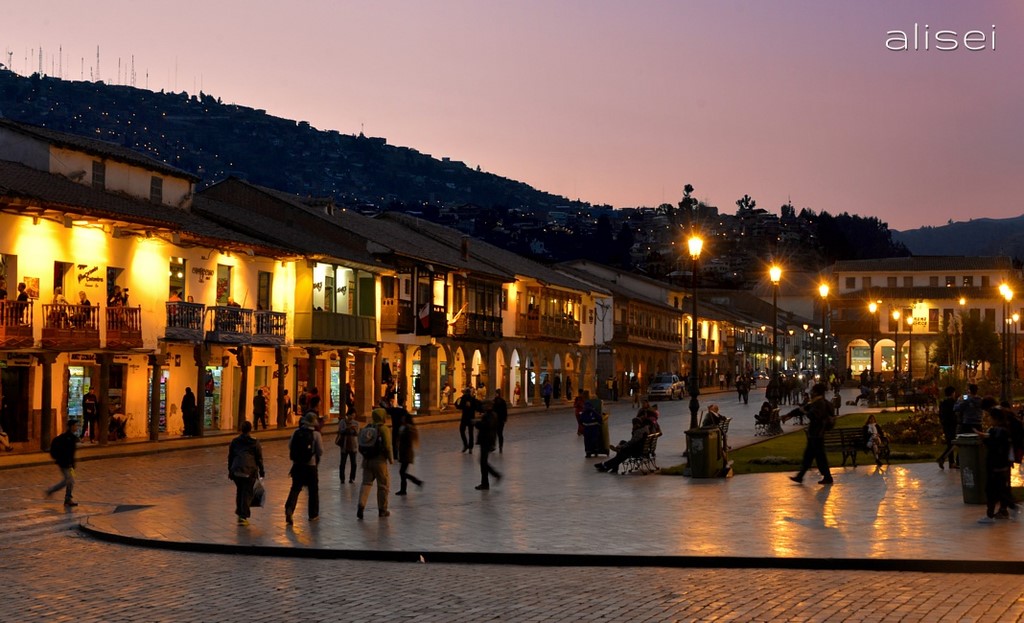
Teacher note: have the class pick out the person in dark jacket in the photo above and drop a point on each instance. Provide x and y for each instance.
(948, 420)
(407, 439)
(304, 473)
(245, 464)
(469, 407)
(486, 437)
(819, 414)
(626, 449)
(501, 410)
(259, 410)
(62, 449)
(997, 467)
(188, 413)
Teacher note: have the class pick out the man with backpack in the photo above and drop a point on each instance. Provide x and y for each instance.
(375, 446)
(62, 450)
(304, 449)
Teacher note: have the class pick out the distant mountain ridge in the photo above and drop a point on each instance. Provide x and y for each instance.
(982, 236)
(212, 140)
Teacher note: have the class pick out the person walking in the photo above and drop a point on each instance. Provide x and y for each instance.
(347, 440)
(245, 464)
(284, 414)
(634, 389)
(501, 410)
(408, 439)
(259, 410)
(820, 419)
(948, 420)
(304, 449)
(188, 413)
(469, 407)
(90, 414)
(545, 392)
(375, 446)
(62, 450)
(488, 432)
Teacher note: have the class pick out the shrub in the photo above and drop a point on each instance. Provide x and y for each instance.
(917, 428)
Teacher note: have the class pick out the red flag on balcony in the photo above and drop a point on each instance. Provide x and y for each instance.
(424, 316)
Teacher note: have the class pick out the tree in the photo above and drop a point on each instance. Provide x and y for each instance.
(966, 339)
(745, 204)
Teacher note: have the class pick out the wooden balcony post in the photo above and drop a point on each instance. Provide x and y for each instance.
(366, 371)
(156, 363)
(201, 357)
(103, 397)
(46, 360)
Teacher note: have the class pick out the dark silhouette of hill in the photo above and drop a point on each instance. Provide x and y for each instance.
(213, 140)
(983, 236)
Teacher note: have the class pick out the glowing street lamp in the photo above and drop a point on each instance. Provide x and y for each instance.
(695, 244)
(823, 291)
(775, 273)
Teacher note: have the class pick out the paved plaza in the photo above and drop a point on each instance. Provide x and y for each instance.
(554, 540)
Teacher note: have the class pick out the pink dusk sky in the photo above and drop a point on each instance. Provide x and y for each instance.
(609, 102)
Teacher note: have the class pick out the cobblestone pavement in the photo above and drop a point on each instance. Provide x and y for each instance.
(550, 501)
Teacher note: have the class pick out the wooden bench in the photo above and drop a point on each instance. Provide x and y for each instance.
(849, 441)
(645, 462)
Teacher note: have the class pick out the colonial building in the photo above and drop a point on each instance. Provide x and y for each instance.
(927, 294)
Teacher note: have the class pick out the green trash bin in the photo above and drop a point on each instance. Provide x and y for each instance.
(705, 446)
(972, 467)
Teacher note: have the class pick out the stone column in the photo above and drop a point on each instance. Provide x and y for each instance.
(428, 371)
(365, 383)
(156, 363)
(46, 428)
(312, 354)
(103, 397)
(243, 354)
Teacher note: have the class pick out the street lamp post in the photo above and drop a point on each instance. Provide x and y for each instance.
(960, 340)
(1017, 319)
(695, 244)
(823, 291)
(910, 349)
(873, 308)
(776, 274)
(896, 367)
(1004, 393)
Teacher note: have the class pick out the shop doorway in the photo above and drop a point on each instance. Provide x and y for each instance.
(14, 403)
(211, 406)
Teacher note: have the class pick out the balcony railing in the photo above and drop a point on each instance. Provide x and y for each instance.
(16, 324)
(271, 327)
(228, 325)
(634, 334)
(534, 325)
(70, 327)
(124, 327)
(477, 327)
(396, 315)
(432, 322)
(185, 321)
(334, 328)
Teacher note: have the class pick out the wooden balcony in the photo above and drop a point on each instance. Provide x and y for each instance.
(320, 327)
(16, 324)
(124, 327)
(396, 315)
(71, 327)
(185, 322)
(477, 327)
(646, 336)
(228, 325)
(536, 326)
(271, 328)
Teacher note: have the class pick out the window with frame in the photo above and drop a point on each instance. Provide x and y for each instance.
(264, 283)
(950, 281)
(908, 282)
(933, 320)
(99, 175)
(933, 281)
(851, 283)
(223, 284)
(968, 281)
(866, 281)
(985, 282)
(891, 282)
(990, 317)
(156, 189)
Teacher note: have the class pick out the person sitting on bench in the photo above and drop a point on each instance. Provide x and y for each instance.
(626, 449)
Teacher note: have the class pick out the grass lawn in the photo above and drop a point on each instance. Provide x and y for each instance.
(784, 452)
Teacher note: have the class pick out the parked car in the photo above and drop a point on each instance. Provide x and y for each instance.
(668, 386)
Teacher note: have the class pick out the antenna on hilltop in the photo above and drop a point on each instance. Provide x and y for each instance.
(97, 63)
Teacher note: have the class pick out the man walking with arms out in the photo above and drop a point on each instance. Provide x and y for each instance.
(821, 419)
